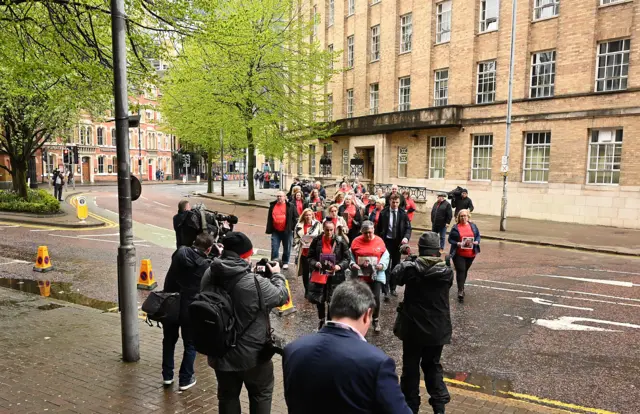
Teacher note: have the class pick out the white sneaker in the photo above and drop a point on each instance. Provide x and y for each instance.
(285, 266)
(189, 385)
(167, 382)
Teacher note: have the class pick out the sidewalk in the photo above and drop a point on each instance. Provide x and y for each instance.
(60, 357)
(536, 232)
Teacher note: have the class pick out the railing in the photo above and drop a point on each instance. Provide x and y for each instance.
(417, 193)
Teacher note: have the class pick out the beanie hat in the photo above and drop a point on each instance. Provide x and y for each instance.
(238, 243)
(429, 244)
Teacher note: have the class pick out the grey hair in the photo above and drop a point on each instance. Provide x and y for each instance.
(366, 225)
(351, 299)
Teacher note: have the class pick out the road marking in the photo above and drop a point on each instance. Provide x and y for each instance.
(159, 234)
(546, 302)
(158, 227)
(599, 270)
(100, 240)
(602, 281)
(559, 290)
(14, 262)
(160, 204)
(9, 227)
(555, 403)
(566, 323)
(47, 229)
(99, 235)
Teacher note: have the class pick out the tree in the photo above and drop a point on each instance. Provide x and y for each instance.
(254, 68)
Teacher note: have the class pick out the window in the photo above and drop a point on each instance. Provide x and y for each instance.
(328, 150)
(544, 9)
(330, 107)
(375, 43)
(375, 1)
(352, 7)
(537, 146)
(330, 50)
(299, 162)
(345, 162)
(489, 10)
(441, 88)
(406, 29)
(481, 162)
(100, 135)
(114, 163)
(402, 162)
(350, 52)
(50, 163)
(89, 133)
(443, 22)
(374, 90)
(404, 94)
(605, 2)
(437, 156)
(314, 15)
(149, 115)
(349, 103)
(113, 137)
(605, 152)
(543, 74)
(613, 65)
(486, 82)
(332, 9)
(100, 165)
(312, 160)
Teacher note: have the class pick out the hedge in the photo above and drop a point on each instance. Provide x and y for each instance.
(38, 201)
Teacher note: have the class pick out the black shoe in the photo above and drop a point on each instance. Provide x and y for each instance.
(321, 324)
(393, 292)
(386, 298)
(461, 295)
(191, 383)
(376, 326)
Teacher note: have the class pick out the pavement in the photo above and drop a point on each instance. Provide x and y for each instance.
(63, 358)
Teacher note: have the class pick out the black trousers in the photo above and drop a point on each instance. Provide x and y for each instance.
(323, 313)
(376, 288)
(462, 265)
(306, 273)
(415, 356)
(259, 382)
(393, 247)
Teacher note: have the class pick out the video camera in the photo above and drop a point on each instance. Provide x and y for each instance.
(262, 269)
(455, 195)
(199, 219)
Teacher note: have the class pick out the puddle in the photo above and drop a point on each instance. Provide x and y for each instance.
(56, 290)
(481, 383)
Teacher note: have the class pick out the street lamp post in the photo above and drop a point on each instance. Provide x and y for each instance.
(139, 143)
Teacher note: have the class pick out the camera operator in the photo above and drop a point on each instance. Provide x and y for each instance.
(178, 220)
(243, 363)
(423, 323)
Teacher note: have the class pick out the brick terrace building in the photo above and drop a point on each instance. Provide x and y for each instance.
(423, 100)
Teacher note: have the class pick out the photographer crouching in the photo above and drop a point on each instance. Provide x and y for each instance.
(423, 323)
(253, 296)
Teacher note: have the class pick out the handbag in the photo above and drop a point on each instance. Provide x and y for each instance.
(162, 307)
(319, 278)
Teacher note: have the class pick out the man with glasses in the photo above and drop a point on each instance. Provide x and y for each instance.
(281, 221)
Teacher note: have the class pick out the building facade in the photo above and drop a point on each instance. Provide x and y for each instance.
(422, 100)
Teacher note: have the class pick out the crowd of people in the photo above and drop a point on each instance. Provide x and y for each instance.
(352, 249)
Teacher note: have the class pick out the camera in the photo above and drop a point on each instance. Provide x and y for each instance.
(263, 270)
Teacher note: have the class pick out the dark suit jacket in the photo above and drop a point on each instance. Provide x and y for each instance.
(334, 371)
(403, 228)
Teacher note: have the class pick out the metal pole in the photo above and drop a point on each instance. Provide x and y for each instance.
(140, 144)
(505, 159)
(221, 165)
(127, 295)
(245, 161)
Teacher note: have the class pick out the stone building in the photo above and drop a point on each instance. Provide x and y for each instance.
(423, 97)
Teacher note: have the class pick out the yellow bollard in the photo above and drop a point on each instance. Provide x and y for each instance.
(145, 278)
(43, 261)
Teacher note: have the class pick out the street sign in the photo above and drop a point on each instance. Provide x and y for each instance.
(504, 168)
(82, 208)
(505, 160)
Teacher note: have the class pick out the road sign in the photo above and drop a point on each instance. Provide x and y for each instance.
(504, 168)
(82, 208)
(505, 160)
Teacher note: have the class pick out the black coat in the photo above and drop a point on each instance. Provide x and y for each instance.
(322, 293)
(424, 316)
(387, 201)
(403, 228)
(464, 203)
(292, 217)
(441, 215)
(185, 276)
(178, 219)
(354, 231)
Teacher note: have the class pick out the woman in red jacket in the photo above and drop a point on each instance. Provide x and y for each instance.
(464, 239)
(411, 205)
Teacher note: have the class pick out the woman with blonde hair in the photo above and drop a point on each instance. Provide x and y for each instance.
(306, 230)
(353, 217)
(339, 198)
(339, 223)
(464, 239)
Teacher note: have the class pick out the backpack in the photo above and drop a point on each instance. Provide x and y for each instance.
(214, 322)
(162, 307)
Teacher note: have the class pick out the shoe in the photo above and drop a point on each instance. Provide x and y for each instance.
(191, 383)
(376, 326)
(393, 292)
(461, 295)
(321, 324)
(167, 382)
(285, 266)
(386, 298)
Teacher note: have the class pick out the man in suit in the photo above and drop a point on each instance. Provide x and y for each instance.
(394, 228)
(441, 216)
(336, 370)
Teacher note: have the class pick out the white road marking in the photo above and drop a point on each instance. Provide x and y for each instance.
(567, 323)
(160, 204)
(100, 240)
(158, 227)
(13, 262)
(602, 281)
(9, 226)
(515, 316)
(42, 230)
(558, 290)
(99, 235)
(599, 270)
(160, 234)
(546, 302)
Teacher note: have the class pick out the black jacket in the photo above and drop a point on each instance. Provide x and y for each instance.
(441, 215)
(341, 252)
(55, 175)
(322, 192)
(403, 228)
(354, 231)
(227, 269)
(178, 219)
(424, 316)
(464, 203)
(387, 201)
(292, 217)
(185, 276)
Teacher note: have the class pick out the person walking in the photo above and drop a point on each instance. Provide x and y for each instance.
(352, 216)
(374, 216)
(281, 221)
(267, 179)
(370, 206)
(306, 230)
(256, 178)
(299, 202)
(394, 191)
(464, 203)
(369, 261)
(261, 179)
(440, 218)
(336, 370)
(410, 204)
(188, 265)
(253, 297)
(321, 190)
(464, 239)
(328, 259)
(178, 219)
(338, 221)
(423, 323)
(394, 228)
(58, 184)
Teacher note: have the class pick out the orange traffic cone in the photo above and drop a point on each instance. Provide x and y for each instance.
(43, 261)
(45, 288)
(288, 307)
(145, 279)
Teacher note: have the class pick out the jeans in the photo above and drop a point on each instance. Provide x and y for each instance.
(393, 247)
(57, 191)
(443, 235)
(169, 340)
(276, 238)
(259, 382)
(415, 356)
(306, 273)
(462, 265)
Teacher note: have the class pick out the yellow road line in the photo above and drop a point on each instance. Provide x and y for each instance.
(457, 382)
(555, 403)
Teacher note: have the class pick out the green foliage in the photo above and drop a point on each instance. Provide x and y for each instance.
(37, 201)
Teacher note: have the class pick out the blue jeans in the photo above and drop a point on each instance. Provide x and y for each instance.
(169, 340)
(283, 237)
(443, 235)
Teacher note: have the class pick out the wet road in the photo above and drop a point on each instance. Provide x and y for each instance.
(557, 324)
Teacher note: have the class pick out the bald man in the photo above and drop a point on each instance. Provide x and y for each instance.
(281, 221)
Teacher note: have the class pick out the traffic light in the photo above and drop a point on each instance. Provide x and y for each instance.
(65, 156)
(76, 158)
(187, 160)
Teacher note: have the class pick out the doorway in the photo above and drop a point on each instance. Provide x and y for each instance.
(86, 170)
(150, 170)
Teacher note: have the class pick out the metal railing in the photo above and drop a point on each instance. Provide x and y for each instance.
(417, 193)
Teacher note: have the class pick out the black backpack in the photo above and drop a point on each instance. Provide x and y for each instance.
(213, 321)
(162, 307)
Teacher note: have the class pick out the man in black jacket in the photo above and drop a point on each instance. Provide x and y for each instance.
(441, 216)
(188, 265)
(58, 183)
(394, 228)
(281, 221)
(394, 191)
(424, 322)
(464, 203)
(178, 219)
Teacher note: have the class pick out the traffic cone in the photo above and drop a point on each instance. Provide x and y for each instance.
(45, 288)
(288, 307)
(43, 261)
(145, 279)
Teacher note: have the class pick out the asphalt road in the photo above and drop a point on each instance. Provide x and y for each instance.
(552, 323)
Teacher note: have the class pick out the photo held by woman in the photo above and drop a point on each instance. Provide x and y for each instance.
(306, 230)
(351, 214)
(338, 221)
(464, 239)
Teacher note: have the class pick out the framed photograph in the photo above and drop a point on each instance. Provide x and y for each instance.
(367, 266)
(306, 241)
(467, 243)
(328, 262)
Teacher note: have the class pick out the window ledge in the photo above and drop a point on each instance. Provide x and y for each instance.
(374, 3)
(349, 15)
(595, 185)
(375, 61)
(442, 43)
(602, 6)
(487, 32)
(404, 53)
(545, 19)
(609, 92)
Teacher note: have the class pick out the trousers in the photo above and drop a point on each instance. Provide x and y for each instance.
(462, 265)
(415, 356)
(376, 288)
(259, 383)
(170, 332)
(283, 237)
(393, 247)
(57, 191)
(443, 235)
